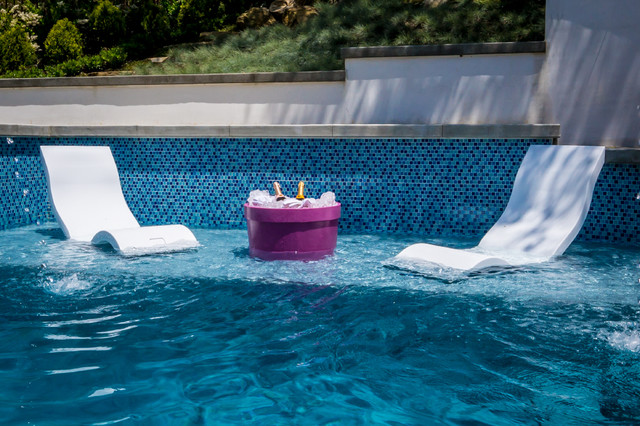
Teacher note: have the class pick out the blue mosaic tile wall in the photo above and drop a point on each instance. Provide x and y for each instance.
(418, 186)
(615, 206)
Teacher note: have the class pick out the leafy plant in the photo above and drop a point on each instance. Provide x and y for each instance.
(52, 11)
(191, 17)
(23, 13)
(107, 24)
(16, 50)
(5, 20)
(107, 59)
(148, 27)
(64, 42)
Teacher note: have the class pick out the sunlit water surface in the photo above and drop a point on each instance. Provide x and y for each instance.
(213, 336)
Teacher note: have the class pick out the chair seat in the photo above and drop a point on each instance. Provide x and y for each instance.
(147, 239)
(450, 257)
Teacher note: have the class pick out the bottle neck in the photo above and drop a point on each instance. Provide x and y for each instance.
(279, 195)
(300, 195)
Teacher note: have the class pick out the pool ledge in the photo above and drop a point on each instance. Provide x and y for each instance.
(462, 49)
(499, 131)
(192, 79)
(623, 155)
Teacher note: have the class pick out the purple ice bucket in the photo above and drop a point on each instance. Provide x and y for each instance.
(292, 234)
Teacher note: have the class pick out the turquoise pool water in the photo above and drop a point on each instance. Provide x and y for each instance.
(213, 336)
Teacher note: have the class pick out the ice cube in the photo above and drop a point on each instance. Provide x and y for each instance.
(292, 203)
(273, 204)
(309, 202)
(327, 199)
(259, 198)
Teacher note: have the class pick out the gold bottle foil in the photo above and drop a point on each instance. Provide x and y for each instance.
(279, 195)
(300, 195)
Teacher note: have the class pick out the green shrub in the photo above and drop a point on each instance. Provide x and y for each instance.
(107, 59)
(195, 16)
(191, 18)
(5, 21)
(16, 50)
(22, 13)
(147, 25)
(107, 24)
(155, 23)
(215, 13)
(64, 42)
(33, 72)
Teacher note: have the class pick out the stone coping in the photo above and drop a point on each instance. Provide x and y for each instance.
(463, 49)
(148, 80)
(622, 155)
(499, 131)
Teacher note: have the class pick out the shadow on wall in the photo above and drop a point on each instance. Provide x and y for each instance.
(495, 89)
(592, 72)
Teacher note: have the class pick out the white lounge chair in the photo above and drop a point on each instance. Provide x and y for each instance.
(549, 202)
(87, 201)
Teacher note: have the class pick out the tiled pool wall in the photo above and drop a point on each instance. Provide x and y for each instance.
(431, 187)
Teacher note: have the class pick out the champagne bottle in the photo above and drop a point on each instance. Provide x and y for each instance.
(300, 195)
(279, 195)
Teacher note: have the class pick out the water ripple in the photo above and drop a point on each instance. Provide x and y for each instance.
(104, 392)
(55, 324)
(91, 349)
(73, 370)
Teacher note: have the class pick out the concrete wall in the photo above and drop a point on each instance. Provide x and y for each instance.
(591, 77)
(174, 104)
(496, 89)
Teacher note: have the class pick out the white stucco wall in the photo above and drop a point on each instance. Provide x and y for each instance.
(591, 77)
(494, 89)
(177, 104)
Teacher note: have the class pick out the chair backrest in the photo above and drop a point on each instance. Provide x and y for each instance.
(84, 189)
(549, 202)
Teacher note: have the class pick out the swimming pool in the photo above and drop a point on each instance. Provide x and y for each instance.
(213, 336)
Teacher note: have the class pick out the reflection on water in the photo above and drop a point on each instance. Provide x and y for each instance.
(214, 336)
